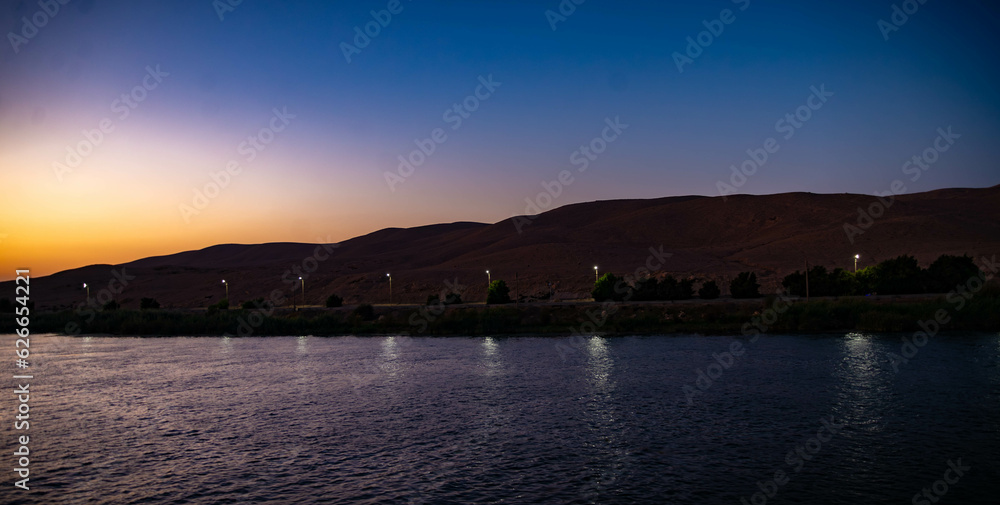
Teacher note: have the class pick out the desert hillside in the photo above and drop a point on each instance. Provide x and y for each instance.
(706, 237)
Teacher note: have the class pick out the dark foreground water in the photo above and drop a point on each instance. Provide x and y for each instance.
(795, 419)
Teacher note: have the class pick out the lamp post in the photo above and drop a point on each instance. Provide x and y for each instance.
(390, 288)
(303, 281)
(595, 274)
(227, 288)
(856, 257)
(85, 286)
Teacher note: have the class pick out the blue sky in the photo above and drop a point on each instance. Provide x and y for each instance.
(326, 173)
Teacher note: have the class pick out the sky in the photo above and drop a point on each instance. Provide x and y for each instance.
(134, 129)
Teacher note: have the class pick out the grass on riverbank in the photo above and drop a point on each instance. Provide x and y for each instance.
(981, 312)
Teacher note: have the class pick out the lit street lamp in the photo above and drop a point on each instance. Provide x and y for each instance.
(856, 257)
(595, 274)
(303, 290)
(227, 288)
(390, 288)
(85, 286)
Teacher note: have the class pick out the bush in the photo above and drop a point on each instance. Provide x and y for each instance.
(672, 289)
(646, 289)
(222, 305)
(498, 293)
(709, 291)
(607, 288)
(149, 303)
(111, 305)
(253, 304)
(334, 301)
(365, 312)
(745, 286)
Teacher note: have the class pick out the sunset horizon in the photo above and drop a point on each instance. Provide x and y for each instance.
(136, 252)
(500, 251)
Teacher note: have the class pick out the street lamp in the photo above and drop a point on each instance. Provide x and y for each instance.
(489, 278)
(856, 256)
(303, 281)
(595, 274)
(85, 286)
(390, 288)
(227, 288)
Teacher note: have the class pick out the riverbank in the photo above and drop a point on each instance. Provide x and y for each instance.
(764, 315)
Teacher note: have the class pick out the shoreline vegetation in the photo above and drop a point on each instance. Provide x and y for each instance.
(979, 311)
(909, 299)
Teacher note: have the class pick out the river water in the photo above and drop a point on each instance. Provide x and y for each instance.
(400, 420)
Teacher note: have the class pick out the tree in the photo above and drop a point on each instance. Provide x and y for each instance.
(949, 271)
(897, 276)
(334, 301)
(864, 280)
(148, 303)
(498, 293)
(709, 291)
(646, 289)
(608, 287)
(795, 284)
(745, 286)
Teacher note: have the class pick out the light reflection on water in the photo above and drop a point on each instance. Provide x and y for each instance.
(503, 419)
